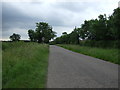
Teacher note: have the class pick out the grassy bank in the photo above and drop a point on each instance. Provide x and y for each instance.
(105, 54)
(24, 65)
(0, 64)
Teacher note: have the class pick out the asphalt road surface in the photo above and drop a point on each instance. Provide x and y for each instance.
(68, 69)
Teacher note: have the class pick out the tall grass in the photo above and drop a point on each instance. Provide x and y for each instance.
(24, 65)
(0, 64)
(101, 53)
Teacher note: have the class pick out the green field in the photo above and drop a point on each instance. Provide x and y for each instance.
(101, 53)
(24, 65)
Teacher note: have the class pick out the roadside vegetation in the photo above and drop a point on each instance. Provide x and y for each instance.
(100, 32)
(107, 54)
(98, 37)
(0, 64)
(24, 65)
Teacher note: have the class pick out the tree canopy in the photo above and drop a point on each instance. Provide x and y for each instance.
(101, 29)
(15, 37)
(42, 33)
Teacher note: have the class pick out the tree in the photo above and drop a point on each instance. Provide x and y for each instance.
(116, 24)
(32, 35)
(74, 36)
(15, 37)
(64, 33)
(84, 31)
(43, 33)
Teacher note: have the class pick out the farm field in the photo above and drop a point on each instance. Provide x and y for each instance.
(24, 65)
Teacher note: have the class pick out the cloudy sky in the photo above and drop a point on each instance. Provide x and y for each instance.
(20, 15)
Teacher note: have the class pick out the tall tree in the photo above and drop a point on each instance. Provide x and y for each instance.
(116, 24)
(43, 33)
(64, 33)
(31, 34)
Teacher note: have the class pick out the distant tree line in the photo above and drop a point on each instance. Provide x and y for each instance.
(42, 34)
(101, 30)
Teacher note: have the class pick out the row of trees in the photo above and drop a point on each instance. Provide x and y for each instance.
(42, 34)
(101, 29)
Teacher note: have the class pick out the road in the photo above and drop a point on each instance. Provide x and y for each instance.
(68, 69)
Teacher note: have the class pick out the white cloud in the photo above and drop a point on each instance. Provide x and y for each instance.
(61, 29)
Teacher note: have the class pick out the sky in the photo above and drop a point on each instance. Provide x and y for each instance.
(18, 16)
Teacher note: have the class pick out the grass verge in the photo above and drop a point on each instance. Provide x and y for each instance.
(0, 65)
(24, 65)
(110, 55)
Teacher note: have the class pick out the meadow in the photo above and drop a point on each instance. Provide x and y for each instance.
(107, 54)
(24, 65)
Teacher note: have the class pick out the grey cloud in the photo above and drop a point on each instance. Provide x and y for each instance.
(12, 17)
(15, 18)
(61, 15)
(22, 32)
(84, 7)
(71, 6)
